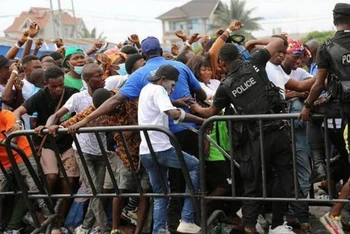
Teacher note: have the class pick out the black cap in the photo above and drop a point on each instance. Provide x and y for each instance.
(342, 9)
(168, 71)
(5, 62)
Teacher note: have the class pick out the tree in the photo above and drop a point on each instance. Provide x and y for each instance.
(225, 14)
(87, 34)
(319, 36)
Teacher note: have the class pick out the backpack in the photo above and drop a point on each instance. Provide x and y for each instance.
(250, 92)
(339, 75)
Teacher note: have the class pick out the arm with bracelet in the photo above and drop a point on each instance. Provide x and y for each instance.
(220, 41)
(33, 30)
(8, 93)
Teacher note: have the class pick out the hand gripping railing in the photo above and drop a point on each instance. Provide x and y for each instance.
(43, 192)
(233, 164)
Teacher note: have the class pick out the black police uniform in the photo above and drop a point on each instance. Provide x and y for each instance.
(278, 158)
(333, 108)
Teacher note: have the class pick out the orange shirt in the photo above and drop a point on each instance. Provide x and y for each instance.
(7, 120)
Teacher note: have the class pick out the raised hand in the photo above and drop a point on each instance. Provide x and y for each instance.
(235, 25)
(38, 43)
(204, 41)
(134, 38)
(33, 29)
(181, 34)
(174, 49)
(97, 45)
(58, 42)
(194, 38)
(24, 36)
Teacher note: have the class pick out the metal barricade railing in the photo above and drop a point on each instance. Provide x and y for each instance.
(43, 187)
(233, 164)
(202, 210)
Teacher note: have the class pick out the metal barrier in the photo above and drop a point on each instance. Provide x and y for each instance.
(202, 210)
(259, 119)
(42, 185)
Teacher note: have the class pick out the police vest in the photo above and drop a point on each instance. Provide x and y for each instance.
(339, 74)
(250, 92)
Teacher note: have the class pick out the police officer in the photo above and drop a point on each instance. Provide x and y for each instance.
(277, 148)
(331, 65)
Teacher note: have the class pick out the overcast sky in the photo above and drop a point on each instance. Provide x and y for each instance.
(120, 18)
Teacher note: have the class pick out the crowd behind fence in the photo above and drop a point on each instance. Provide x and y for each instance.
(202, 196)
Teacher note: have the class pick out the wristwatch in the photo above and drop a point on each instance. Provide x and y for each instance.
(307, 104)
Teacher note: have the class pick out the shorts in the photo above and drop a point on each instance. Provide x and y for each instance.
(218, 174)
(125, 180)
(49, 163)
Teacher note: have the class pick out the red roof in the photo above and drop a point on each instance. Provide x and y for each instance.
(41, 16)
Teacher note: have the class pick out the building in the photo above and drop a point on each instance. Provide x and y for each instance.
(192, 17)
(49, 22)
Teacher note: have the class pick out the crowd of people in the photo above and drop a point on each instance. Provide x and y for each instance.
(138, 83)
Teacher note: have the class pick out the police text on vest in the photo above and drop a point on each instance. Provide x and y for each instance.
(243, 87)
(345, 59)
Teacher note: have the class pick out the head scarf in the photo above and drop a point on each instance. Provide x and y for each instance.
(295, 47)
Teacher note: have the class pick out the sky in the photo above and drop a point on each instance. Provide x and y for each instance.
(119, 18)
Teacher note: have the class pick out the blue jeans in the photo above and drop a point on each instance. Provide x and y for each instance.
(302, 148)
(169, 158)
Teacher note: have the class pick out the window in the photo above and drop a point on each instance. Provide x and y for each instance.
(195, 26)
(177, 25)
(26, 24)
(66, 34)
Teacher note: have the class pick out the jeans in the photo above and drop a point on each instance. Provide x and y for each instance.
(302, 148)
(188, 142)
(97, 169)
(169, 158)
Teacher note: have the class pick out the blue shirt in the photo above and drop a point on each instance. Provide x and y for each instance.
(187, 82)
(313, 68)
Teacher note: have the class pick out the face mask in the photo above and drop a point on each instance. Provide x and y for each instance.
(78, 69)
(122, 71)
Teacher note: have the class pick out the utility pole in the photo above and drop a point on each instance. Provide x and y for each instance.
(75, 23)
(53, 20)
(60, 18)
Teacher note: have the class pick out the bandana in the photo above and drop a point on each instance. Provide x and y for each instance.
(295, 47)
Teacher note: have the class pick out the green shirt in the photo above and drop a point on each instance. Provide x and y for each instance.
(72, 82)
(214, 153)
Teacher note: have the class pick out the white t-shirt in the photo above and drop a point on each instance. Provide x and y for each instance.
(153, 102)
(114, 82)
(5, 106)
(27, 90)
(300, 74)
(78, 102)
(277, 75)
(210, 89)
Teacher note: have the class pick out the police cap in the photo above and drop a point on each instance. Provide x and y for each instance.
(342, 9)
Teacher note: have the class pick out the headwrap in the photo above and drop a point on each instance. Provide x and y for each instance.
(106, 59)
(295, 47)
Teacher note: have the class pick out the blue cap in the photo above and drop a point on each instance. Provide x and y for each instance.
(150, 45)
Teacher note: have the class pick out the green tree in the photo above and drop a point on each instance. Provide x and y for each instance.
(319, 36)
(93, 34)
(225, 14)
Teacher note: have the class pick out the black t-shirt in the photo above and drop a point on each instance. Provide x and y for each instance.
(323, 58)
(259, 58)
(43, 103)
